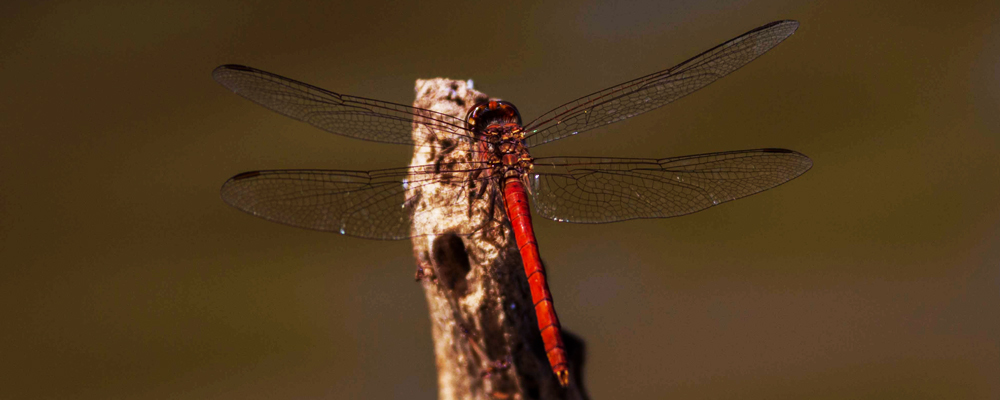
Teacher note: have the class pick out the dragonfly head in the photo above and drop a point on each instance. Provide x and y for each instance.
(492, 117)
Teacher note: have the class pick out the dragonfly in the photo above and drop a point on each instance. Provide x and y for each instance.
(497, 168)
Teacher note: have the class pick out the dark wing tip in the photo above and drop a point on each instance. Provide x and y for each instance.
(232, 67)
(230, 190)
(786, 26)
(790, 23)
(220, 72)
(807, 162)
(245, 175)
(804, 160)
(781, 22)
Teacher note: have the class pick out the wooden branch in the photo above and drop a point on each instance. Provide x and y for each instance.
(486, 340)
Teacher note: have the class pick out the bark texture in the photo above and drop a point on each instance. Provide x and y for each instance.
(486, 340)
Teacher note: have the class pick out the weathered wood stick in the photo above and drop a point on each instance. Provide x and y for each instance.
(486, 339)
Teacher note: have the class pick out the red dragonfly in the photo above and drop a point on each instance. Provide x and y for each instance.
(497, 169)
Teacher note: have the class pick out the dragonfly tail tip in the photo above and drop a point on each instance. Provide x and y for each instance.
(563, 377)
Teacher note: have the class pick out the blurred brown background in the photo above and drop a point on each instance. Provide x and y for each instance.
(875, 275)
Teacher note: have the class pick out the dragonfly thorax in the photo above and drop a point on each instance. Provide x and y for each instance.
(497, 125)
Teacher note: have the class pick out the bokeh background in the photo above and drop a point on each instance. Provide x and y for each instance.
(875, 275)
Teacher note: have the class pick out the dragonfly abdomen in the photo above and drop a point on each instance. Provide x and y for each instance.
(516, 202)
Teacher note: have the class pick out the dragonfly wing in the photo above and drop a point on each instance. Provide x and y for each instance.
(351, 116)
(368, 204)
(658, 89)
(598, 190)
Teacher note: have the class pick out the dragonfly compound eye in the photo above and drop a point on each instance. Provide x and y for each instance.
(491, 115)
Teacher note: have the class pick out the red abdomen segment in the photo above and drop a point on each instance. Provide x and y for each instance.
(516, 200)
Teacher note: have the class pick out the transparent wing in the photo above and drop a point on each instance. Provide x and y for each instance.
(597, 190)
(368, 204)
(656, 90)
(351, 116)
